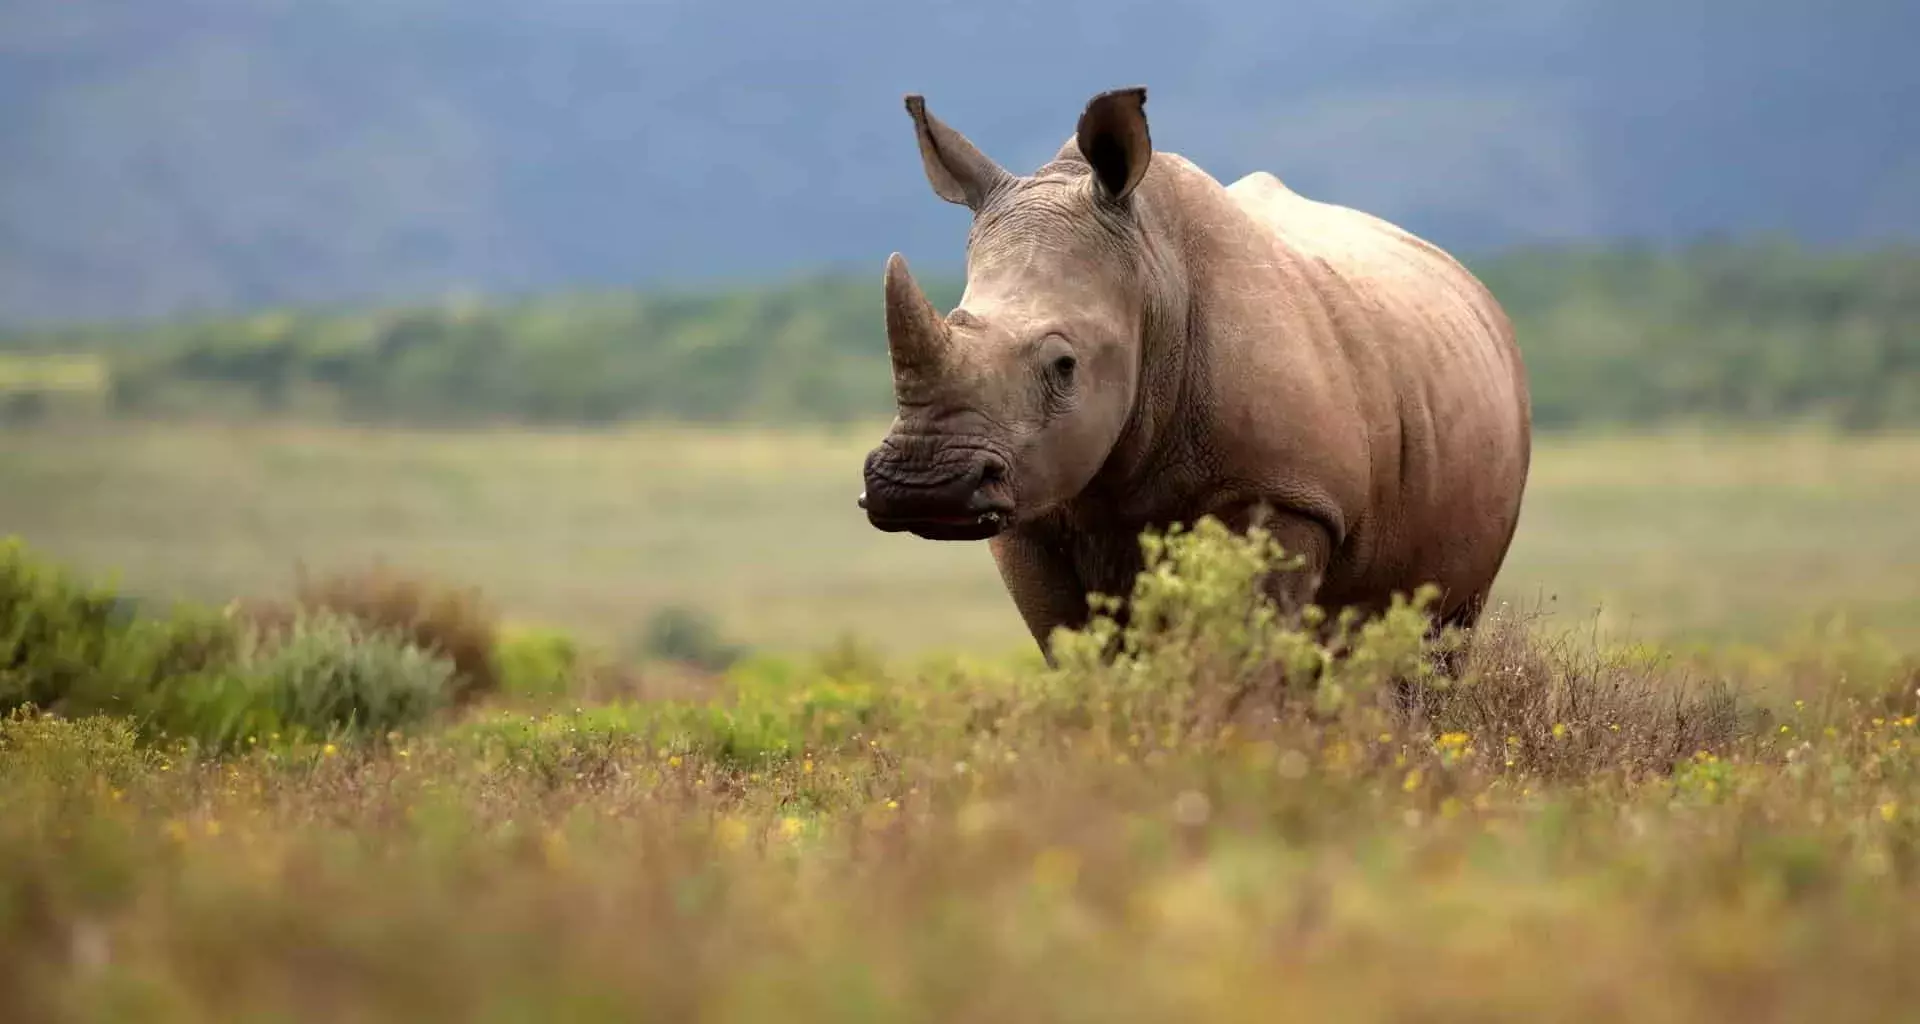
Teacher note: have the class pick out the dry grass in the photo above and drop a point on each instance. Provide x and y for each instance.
(1567, 709)
(932, 845)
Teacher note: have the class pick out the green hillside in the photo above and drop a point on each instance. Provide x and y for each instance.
(1737, 333)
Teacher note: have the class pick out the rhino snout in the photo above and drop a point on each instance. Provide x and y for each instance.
(946, 495)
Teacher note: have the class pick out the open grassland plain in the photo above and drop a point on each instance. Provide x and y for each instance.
(1673, 536)
(298, 815)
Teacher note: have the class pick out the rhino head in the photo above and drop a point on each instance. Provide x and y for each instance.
(1009, 405)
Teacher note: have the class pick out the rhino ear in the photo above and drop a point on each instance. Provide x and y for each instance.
(958, 171)
(1113, 138)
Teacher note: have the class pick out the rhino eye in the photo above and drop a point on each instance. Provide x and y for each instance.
(1058, 364)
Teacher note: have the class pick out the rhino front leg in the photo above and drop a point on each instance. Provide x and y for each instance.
(1046, 589)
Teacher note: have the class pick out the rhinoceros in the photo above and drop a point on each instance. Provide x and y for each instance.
(1138, 345)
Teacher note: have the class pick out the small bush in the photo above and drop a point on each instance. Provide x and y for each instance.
(329, 674)
(1203, 645)
(75, 648)
(536, 663)
(69, 754)
(453, 622)
(779, 707)
(323, 674)
(690, 636)
(55, 633)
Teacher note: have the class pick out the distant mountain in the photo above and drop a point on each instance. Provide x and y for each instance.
(166, 156)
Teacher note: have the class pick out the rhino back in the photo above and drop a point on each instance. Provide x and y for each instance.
(1383, 375)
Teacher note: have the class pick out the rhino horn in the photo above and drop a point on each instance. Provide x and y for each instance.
(916, 335)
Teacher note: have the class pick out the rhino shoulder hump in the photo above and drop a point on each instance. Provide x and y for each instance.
(1260, 191)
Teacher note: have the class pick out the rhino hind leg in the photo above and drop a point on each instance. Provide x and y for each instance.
(1451, 662)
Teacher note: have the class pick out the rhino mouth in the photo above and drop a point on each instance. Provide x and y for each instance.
(970, 527)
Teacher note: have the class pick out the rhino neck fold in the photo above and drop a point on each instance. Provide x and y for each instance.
(1149, 444)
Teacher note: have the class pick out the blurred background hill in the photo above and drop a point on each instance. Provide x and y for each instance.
(171, 156)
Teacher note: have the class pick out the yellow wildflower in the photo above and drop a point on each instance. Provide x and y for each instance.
(1559, 730)
(1411, 782)
(329, 750)
(1889, 810)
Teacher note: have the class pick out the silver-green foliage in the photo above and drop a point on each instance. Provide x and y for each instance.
(326, 674)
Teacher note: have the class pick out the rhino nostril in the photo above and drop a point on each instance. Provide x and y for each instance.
(992, 472)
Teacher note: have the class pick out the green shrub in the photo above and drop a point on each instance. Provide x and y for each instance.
(536, 663)
(76, 648)
(328, 674)
(1202, 644)
(324, 674)
(453, 622)
(69, 754)
(690, 636)
(55, 633)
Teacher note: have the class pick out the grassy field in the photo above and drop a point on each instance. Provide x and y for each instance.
(1672, 536)
(320, 821)
(1203, 830)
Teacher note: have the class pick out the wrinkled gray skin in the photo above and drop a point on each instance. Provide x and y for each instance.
(1139, 345)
